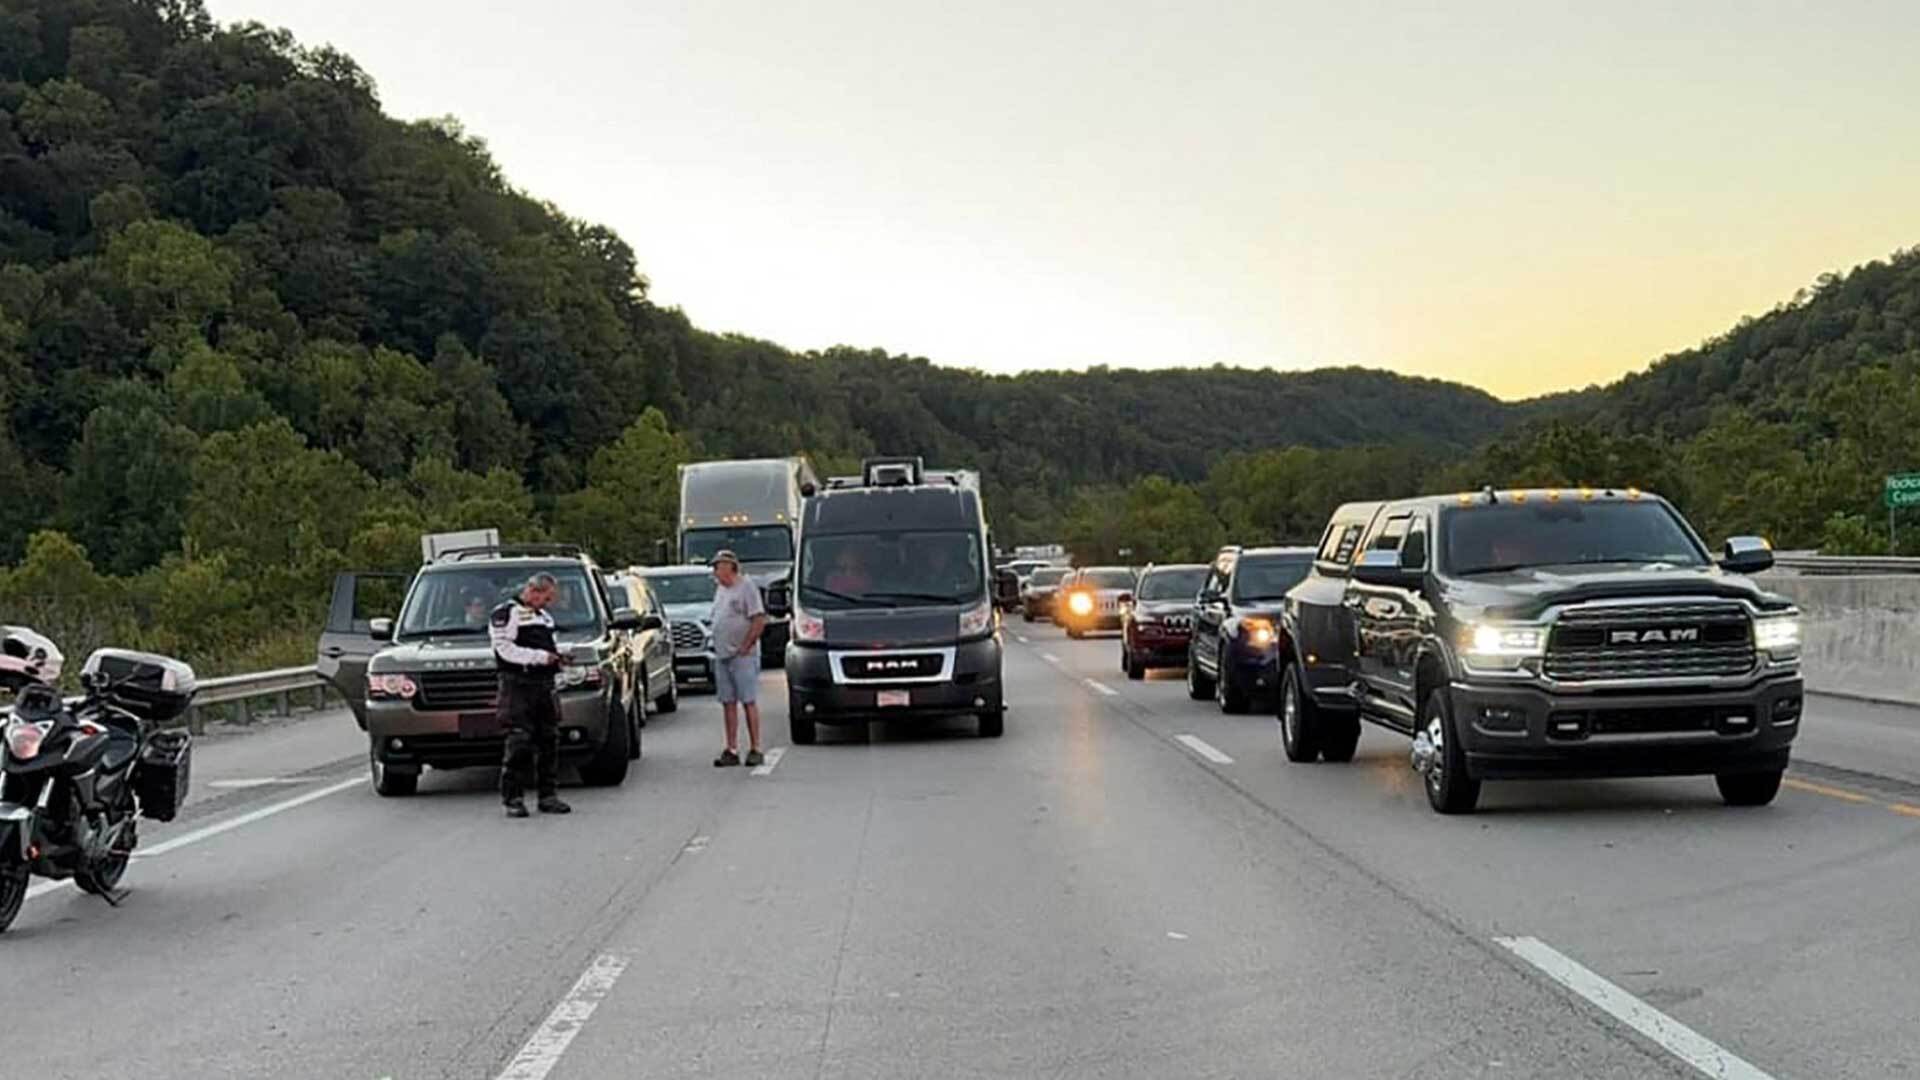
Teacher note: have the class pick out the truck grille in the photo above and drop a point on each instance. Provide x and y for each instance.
(474, 690)
(1674, 640)
(688, 637)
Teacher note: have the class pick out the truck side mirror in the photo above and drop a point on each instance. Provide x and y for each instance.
(1746, 555)
(380, 629)
(1382, 567)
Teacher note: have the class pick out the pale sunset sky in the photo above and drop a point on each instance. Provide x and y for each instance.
(1524, 196)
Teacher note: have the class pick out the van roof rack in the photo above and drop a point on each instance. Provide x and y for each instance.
(513, 551)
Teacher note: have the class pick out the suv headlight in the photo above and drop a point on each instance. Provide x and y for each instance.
(578, 675)
(1777, 635)
(1257, 631)
(390, 686)
(1503, 646)
(977, 620)
(806, 626)
(1080, 603)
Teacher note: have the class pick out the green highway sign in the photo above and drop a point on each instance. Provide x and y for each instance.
(1903, 489)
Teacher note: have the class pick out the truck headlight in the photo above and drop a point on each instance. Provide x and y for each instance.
(977, 620)
(1777, 635)
(1504, 645)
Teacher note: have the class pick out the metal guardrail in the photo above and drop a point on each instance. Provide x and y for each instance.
(1839, 565)
(242, 691)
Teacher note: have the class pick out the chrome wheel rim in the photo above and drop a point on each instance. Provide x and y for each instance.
(1290, 712)
(1437, 768)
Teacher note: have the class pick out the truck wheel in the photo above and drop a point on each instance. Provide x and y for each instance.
(1449, 789)
(993, 723)
(1299, 720)
(1199, 687)
(1749, 789)
(608, 766)
(800, 726)
(1339, 737)
(671, 702)
(389, 783)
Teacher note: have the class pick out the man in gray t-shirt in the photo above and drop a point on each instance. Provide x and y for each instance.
(739, 618)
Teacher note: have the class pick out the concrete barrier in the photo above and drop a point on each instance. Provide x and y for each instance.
(1862, 633)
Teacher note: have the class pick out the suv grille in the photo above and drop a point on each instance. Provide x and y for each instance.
(474, 690)
(688, 637)
(1672, 640)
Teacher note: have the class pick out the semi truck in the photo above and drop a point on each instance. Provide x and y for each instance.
(752, 508)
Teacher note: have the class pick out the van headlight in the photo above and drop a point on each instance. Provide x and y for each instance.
(1504, 646)
(977, 620)
(806, 626)
(1777, 635)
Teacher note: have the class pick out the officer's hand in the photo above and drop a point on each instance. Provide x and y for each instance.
(560, 660)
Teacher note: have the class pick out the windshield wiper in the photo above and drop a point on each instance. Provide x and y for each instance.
(928, 597)
(820, 591)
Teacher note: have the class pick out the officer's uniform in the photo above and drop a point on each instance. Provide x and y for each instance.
(523, 651)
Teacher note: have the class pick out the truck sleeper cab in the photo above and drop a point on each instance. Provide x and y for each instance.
(1542, 634)
(894, 615)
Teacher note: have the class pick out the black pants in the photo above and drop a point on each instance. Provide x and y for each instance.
(531, 716)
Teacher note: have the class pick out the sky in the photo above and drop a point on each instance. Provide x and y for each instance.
(1526, 197)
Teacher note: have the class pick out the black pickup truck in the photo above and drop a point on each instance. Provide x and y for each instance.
(1542, 634)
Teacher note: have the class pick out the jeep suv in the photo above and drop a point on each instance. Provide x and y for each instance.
(1157, 623)
(423, 685)
(1232, 658)
(1537, 634)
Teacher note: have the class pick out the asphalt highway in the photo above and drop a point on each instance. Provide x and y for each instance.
(1128, 884)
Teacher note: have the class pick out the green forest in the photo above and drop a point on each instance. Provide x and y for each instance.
(253, 331)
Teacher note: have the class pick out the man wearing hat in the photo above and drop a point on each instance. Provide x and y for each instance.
(739, 618)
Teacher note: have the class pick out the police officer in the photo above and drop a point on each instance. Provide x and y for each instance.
(527, 657)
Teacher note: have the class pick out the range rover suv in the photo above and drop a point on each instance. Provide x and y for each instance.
(423, 685)
(1542, 634)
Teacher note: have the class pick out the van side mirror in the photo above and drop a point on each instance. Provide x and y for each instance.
(1746, 555)
(380, 629)
(1382, 567)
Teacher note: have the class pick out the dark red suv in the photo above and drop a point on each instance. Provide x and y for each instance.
(1157, 625)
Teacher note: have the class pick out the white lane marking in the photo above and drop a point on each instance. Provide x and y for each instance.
(696, 845)
(544, 1048)
(1103, 687)
(1676, 1038)
(773, 758)
(1202, 747)
(1049, 658)
(1021, 638)
(209, 832)
(264, 781)
(1176, 935)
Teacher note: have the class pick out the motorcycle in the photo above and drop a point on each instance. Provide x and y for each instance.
(75, 778)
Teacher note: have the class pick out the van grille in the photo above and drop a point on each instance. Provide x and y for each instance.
(1678, 639)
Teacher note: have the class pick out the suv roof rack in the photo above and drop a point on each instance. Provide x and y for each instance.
(513, 551)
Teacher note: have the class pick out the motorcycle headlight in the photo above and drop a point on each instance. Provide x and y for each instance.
(24, 739)
(1777, 635)
(1504, 645)
(807, 626)
(977, 620)
(391, 686)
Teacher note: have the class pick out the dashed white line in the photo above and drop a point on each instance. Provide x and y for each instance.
(1674, 1037)
(1021, 638)
(547, 1045)
(1049, 658)
(1202, 747)
(773, 758)
(1103, 687)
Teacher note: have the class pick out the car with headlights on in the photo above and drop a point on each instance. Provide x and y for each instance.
(1037, 592)
(1236, 620)
(1545, 633)
(1157, 624)
(1091, 599)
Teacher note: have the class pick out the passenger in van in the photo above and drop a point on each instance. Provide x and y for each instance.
(944, 575)
(850, 575)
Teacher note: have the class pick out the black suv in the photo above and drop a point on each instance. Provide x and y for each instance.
(1542, 634)
(1236, 623)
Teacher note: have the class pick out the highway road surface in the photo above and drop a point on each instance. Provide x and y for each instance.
(1128, 884)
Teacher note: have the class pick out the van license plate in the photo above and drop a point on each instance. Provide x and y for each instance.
(893, 699)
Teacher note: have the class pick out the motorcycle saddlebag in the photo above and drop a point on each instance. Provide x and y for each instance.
(160, 779)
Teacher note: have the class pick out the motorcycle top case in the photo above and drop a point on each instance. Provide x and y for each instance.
(153, 687)
(161, 776)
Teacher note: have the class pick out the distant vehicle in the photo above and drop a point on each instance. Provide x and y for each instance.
(686, 592)
(1019, 570)
(1537, 634)
(1236, 624)
(1037, 592)
(894, 613)
(752, 508)
(1091, 599)
(649, 648)
(1156, 627)
(423, 685)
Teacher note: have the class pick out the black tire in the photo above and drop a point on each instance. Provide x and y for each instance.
(1339, 737)
(1199, 686)
(638, 719)
(389, 783)
(1449, 789)
(1226, 690)
(1751, 788)
(1026, 614)
(1076, 633)
(993, 723)
(1135, 669)
(608, 766)
(13, 894)
(670, 702)
(801, 730)
(1299, 719)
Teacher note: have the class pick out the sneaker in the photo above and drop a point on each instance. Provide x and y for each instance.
(756, 758)
(551, 804)
(726, 758)
(516, 808)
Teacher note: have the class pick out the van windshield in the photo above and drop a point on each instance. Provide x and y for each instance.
(891, 569)
(458, 601)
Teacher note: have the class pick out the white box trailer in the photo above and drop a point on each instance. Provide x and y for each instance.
(434, 545)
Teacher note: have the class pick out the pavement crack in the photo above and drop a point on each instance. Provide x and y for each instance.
(846, 932)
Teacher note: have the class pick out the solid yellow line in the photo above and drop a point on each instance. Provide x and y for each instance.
(1830, 792)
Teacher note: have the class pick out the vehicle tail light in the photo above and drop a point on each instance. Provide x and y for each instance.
(391, 686)
(24, 739)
